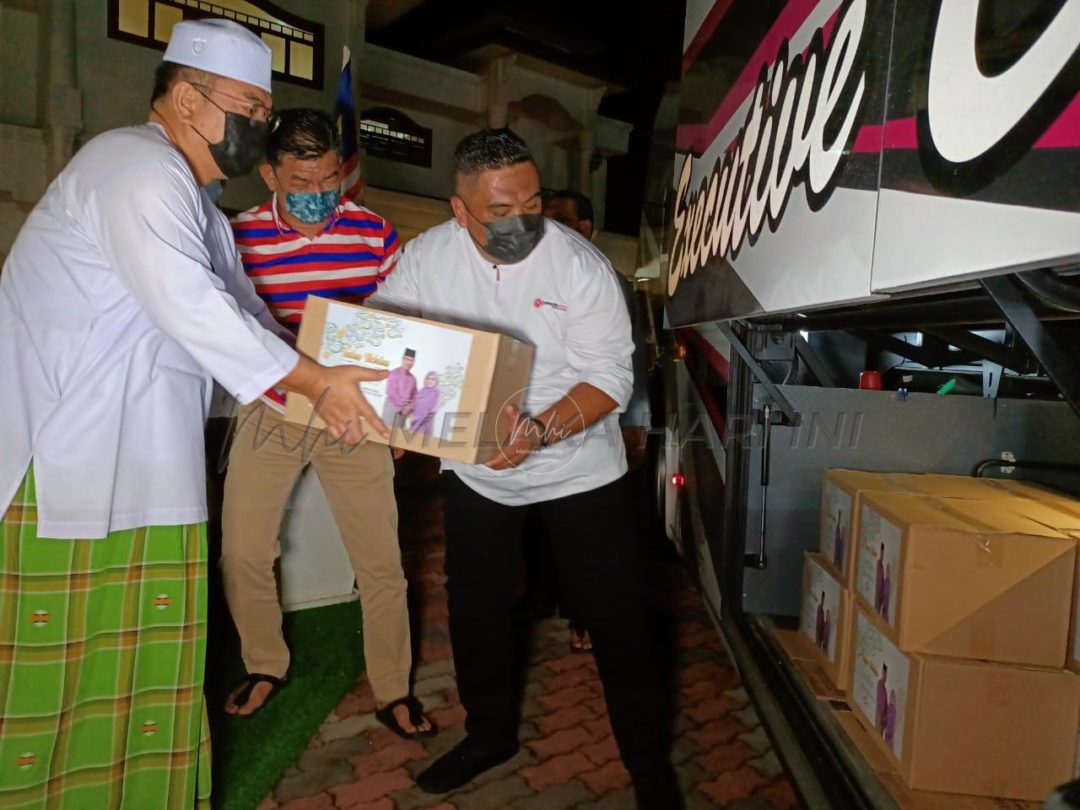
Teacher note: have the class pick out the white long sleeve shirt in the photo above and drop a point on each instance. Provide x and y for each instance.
(112, 324)
(564, 299)
(230, 269)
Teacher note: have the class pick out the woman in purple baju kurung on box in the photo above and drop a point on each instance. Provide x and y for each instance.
(882, 702)
(889, 732)
(425, 405)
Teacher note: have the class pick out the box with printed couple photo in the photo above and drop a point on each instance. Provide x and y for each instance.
(446, 387)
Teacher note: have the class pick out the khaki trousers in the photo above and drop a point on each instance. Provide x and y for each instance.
(265, 461)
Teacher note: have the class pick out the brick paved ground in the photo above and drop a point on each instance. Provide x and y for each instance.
(568, 757)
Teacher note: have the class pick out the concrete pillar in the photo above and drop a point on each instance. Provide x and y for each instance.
(594, 184)
(585, 150)
(597, 191)
(63, 100)
(355, 37)
(498, 77)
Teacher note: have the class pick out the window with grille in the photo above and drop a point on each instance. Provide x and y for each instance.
(297, 44)
(391, 134)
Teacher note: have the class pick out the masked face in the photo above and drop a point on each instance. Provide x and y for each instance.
(512, 239)
(312, 207)
(308, 189)
(242, 148)
(243, 145)
(501, 210)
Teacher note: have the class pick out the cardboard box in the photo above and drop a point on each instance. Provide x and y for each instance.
(807, 662)
(839, 524)
(1072, 660)
(476, 373)
(1061, 512)
(959, 726)
(840, 492)
(905, 798)
(948, 486)
(1036, 492)
(826, 618)
(1076, 762)
(969, 579)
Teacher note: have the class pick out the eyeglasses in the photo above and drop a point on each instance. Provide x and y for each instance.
(255, 110)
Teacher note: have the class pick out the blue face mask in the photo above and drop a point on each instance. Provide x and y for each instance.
(312, 207)
(214, 189)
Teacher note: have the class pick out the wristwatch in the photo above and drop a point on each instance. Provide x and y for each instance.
(542, 427)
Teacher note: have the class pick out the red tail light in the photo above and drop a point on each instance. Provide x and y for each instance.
(678, 480)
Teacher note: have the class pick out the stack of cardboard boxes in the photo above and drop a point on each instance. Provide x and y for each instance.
(941, 606)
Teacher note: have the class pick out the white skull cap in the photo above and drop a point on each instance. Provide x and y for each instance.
(222, 47)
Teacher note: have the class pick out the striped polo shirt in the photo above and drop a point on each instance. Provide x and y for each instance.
(345, 262)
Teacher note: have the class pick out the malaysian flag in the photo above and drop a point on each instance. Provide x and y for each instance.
(352, 184)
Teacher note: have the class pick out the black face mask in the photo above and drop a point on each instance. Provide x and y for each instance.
(511, 239)
(244, 144)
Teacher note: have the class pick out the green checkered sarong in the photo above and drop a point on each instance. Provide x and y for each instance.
(102, 651)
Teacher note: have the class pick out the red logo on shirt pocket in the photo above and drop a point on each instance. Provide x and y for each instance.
(540, 302)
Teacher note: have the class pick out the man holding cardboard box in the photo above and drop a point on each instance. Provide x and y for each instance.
(309, 240)
(499, 265)
(112, 324)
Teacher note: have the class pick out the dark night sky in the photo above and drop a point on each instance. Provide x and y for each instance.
(637, 46)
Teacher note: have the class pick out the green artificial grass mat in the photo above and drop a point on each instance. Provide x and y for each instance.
(250, 754)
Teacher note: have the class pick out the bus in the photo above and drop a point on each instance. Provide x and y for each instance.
(868, 232)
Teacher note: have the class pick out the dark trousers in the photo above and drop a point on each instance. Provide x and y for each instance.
(597, 551)
(541, 585)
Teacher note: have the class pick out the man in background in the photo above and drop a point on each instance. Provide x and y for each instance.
(574, 210)
(309, 240)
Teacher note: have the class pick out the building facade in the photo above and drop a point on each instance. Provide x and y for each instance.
(71, 70)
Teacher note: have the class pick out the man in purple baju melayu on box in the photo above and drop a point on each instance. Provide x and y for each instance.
(400, 392)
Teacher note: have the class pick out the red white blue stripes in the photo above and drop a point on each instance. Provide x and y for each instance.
(345, 262)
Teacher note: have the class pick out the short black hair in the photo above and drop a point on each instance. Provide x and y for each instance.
(489, 149)
(169, 73)
(303, 133)
(581, 202)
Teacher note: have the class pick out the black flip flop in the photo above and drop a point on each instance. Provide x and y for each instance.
(241, 698)
(385, 715)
